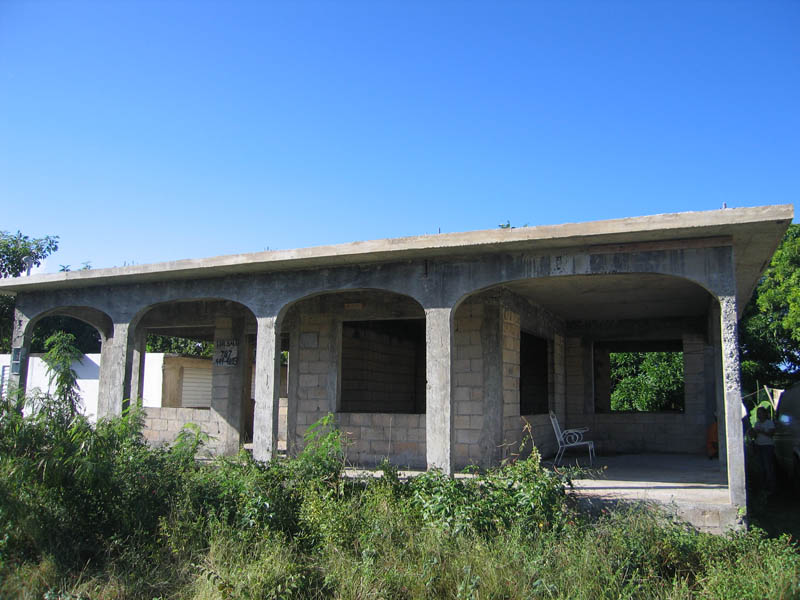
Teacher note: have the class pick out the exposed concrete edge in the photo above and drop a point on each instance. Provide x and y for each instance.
(626, 230)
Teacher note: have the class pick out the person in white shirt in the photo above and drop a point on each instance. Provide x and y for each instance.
(763, 431)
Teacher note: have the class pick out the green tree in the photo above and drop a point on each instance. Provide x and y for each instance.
(181, 346)
(647, 381)
(13, 249)
(769, 331)
(87, 338)
(59, 358)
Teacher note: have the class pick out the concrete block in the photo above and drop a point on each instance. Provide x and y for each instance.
(405, 448)
(461, 366)
(460, 338)
(416, 434)
(308, 381)
(467, 436)
(380, 447)
(462, 422)
(306, 355)
(319, 367)
(317, 393)
(471, 379)
(469, 408)
(309, 340)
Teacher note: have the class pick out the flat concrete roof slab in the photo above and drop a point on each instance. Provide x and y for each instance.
(754, 232)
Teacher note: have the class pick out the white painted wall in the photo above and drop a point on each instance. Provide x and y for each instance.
(88, 371)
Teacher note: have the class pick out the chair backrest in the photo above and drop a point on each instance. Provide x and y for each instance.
(556, 428)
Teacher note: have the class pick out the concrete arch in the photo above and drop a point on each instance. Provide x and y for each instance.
(289, 305)
(180, 308)
(92, 316)
(608, 295)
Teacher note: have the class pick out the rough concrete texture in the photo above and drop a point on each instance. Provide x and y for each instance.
(660, 268)
(162, 426)
(690, 486)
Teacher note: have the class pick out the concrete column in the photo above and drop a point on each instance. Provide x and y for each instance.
(227, 376)
(137, 366)
(439, 409)
(559, 377)
(491, 440)
(20, 350)
(267, 392)
(293, 439)
(116, 366)
(733, 400)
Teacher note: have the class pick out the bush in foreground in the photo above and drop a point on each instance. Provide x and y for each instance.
(93, 512)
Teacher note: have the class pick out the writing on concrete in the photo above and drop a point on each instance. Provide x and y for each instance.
(226, 353)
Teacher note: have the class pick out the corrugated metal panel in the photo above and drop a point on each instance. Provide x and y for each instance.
(196, 390)
(4, 372)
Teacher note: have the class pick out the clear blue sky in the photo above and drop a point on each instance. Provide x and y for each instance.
(149, 131)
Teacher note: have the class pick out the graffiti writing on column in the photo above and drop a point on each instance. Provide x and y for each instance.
(226, 353)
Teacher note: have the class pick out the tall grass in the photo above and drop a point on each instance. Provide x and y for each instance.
(93, 512)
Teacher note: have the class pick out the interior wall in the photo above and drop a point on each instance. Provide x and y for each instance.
(638, 432)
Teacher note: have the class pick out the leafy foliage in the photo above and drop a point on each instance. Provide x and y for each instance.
(13, 249)
(180, 346)
(769, 330)
(94, 512)
(647, 381)
(61, 354)
(87, 338)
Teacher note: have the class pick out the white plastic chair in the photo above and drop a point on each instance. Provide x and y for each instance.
(570, 438)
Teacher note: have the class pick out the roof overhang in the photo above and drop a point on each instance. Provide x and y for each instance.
(754, 232)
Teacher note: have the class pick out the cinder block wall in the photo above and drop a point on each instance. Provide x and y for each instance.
(486, 371)
(634, 432)
(488, 425)
(379, 367)
(162, 426)
(372, 437)
(315, 386)
(474, 441)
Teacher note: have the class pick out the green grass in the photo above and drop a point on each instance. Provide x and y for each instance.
(95, 513)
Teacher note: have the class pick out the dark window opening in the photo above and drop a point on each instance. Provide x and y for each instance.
(533, 372)
(383, 366)
(639, 377)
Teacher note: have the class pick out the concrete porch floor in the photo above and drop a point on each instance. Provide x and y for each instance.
(690, 486)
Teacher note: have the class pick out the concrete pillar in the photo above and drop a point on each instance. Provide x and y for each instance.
(293, 439)
(116, 366)
(137, 366)
(559, 405)
(491, 440)
(733, 400)
(267, 392)
(227, 376)
(439, 409)
(20, 350)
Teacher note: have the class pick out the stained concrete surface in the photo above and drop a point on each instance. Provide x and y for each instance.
(691, 487)
(661, 478)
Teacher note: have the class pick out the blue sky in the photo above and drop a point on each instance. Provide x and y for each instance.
(148, 131)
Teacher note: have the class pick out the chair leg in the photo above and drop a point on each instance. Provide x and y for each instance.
(559, 454)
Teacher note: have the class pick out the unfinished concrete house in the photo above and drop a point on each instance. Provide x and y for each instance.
(430, 350)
